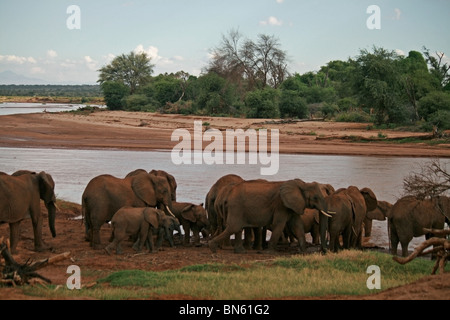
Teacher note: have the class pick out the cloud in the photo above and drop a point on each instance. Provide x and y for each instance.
(271, 21)
(153, 53)
(52, 54)
(398, 14)
(280, 1)
(90, 63)
(400, 52)
(17, 60)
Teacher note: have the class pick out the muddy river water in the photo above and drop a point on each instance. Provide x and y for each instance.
(73, 169)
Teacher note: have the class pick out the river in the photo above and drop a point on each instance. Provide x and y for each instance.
(8, 108)
(73, 169)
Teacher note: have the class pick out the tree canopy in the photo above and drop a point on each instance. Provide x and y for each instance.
(250, 78)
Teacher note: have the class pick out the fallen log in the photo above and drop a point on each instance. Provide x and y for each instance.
(16, 274)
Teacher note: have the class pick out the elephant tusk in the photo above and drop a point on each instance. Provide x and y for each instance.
(331, 212)
(167, 207)
(326, 214)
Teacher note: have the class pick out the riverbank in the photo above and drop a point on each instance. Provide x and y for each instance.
(153, 131)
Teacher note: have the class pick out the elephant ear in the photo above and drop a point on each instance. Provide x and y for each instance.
(144, 188)
(46, 187)
(151, 216)
(188, 213)
(444, 206)
(292, 195)
(370, 198)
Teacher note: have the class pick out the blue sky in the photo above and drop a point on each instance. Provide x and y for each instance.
(178, 34)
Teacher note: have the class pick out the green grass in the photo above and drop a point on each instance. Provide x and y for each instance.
(297, 276)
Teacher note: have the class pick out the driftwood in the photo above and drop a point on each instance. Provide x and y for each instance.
(441, 248)
(16, 274)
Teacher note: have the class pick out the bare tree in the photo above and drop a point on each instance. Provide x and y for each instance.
(431, 181)
(259, 63)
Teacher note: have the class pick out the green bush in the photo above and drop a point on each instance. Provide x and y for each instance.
(353, 116)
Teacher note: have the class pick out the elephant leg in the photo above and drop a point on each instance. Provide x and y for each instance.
(394, 240)
(111, 246)
(298, 228)
(187, 234)
(238, 243)
(96, 242)
(14, 235)
(258, 243)
(368, 227)
(248, 236)
(214, 243)
(277, 230)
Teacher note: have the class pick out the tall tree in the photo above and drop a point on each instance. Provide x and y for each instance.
(133, 70)
(377, 81)
(439, 68)
(261, 63)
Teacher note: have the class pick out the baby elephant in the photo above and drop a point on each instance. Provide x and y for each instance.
(193, 218)
(135, 222)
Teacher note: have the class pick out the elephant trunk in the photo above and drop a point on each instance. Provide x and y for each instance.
(51, 208)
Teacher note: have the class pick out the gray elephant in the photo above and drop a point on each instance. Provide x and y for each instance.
(105, 195)
(350, 207)
(379, 214)
(20, 196)
(134, 222)
(192, 217)
(261, 204)
(409, 216)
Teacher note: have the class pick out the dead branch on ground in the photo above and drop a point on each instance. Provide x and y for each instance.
(441, 248)
(15, 274)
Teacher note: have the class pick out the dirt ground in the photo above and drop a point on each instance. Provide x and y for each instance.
(151, 131)
(143, 131)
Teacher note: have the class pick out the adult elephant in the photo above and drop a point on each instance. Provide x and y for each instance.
(105, 195)
(409, 216)
(210, 202)
(379, 214)
(262, 203)
(350, 206)
(20, 196)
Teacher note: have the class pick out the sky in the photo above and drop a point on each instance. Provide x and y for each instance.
(49, 40)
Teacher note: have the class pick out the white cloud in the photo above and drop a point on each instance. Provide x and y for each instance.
(90, 63)
(280, 1)
(153, 53)
(16, 59)
(400, 52)
(52, 54)
(271, 21)
(398, 14)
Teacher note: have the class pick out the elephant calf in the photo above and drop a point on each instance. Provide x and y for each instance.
(192, 217)
(130, 221)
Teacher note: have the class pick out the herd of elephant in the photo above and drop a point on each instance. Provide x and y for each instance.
(143, 205)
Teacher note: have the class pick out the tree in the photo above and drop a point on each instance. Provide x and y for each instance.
(133, 70)
(432, 180)
(263, 103)
(260, 64)
(377, 81)
(114, 93)
(439, 69)
(416, 80)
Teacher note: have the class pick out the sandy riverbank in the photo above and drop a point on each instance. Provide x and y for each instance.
(152, 131)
